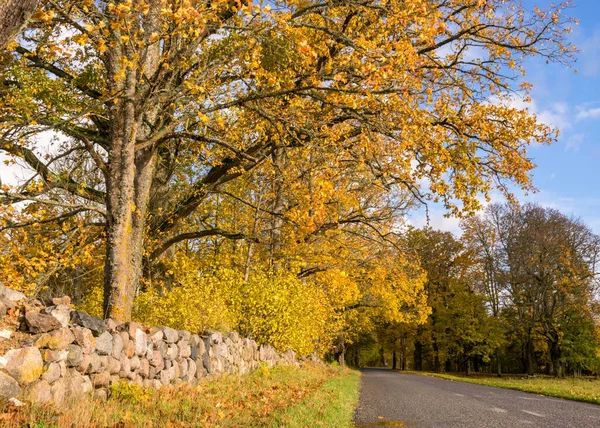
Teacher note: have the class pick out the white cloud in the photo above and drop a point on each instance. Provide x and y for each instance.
(590, 113)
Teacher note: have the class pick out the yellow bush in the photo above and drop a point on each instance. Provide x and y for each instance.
(284, 311)
(200, 299)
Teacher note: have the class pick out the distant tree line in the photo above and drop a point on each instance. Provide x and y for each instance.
(516, 293)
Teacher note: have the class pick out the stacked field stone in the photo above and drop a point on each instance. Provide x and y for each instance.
(70, 353)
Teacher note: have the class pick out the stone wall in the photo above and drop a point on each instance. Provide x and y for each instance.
(56, 352)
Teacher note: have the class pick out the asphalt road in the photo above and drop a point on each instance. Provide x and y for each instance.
(390, 398)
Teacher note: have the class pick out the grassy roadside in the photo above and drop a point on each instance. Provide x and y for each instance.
(284, 396)
(332, 405)
(578, 389)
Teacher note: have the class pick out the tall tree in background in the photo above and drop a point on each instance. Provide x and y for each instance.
(160, 103)
(458, 332)
(548, 263)
(13, 16)
(482, 239)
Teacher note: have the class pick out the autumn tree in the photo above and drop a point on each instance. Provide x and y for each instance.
(160, 103)
(482, 238)
(458, 330)
(548, 264)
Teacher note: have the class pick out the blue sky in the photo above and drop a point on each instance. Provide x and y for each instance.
(568, 172)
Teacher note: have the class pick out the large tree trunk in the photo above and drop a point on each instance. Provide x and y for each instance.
(498, 363)
(382, 359)
(120, 270)
(129, 178)
(529, 357)
(555, 354)
(418, 356)
(13, 16)
(436, 357)
(340, 351)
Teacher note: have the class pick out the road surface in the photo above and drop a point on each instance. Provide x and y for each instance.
(389, 398)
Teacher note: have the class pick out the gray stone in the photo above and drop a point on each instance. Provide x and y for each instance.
(95, 364)
(114, 365)
(140, 342)
(132, 376)
(157, 360)
(130, 349)
(41, 323)
(206, 362)
(52, 373)
(262, 352)
(15, 402)
(156, 337)
(184, 349)
(86, 361)
(162, 347)
(125, 364)
(104, 344)
(40, 392)
(13, 295)
(103, 363)
(215, 337)
(9, 387)
(57, 339)
(165, 377)
(61, 312)
(171, 335)
(130, 328)
(25, 365)
(73, 384)
(183, 367)
(172, 352)
(134, 362)
(5, 334)
(149, 352)
(85, 339)
(51, 355)
(184, 335)
(194, 340)
(95, 324)
(101, 380)
(74, 355)
(8, 304)
(117, 345)
(191, 369)
(144, 370)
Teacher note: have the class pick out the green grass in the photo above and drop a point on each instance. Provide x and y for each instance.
(579, 389)
(315, 395)
(332, 405)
